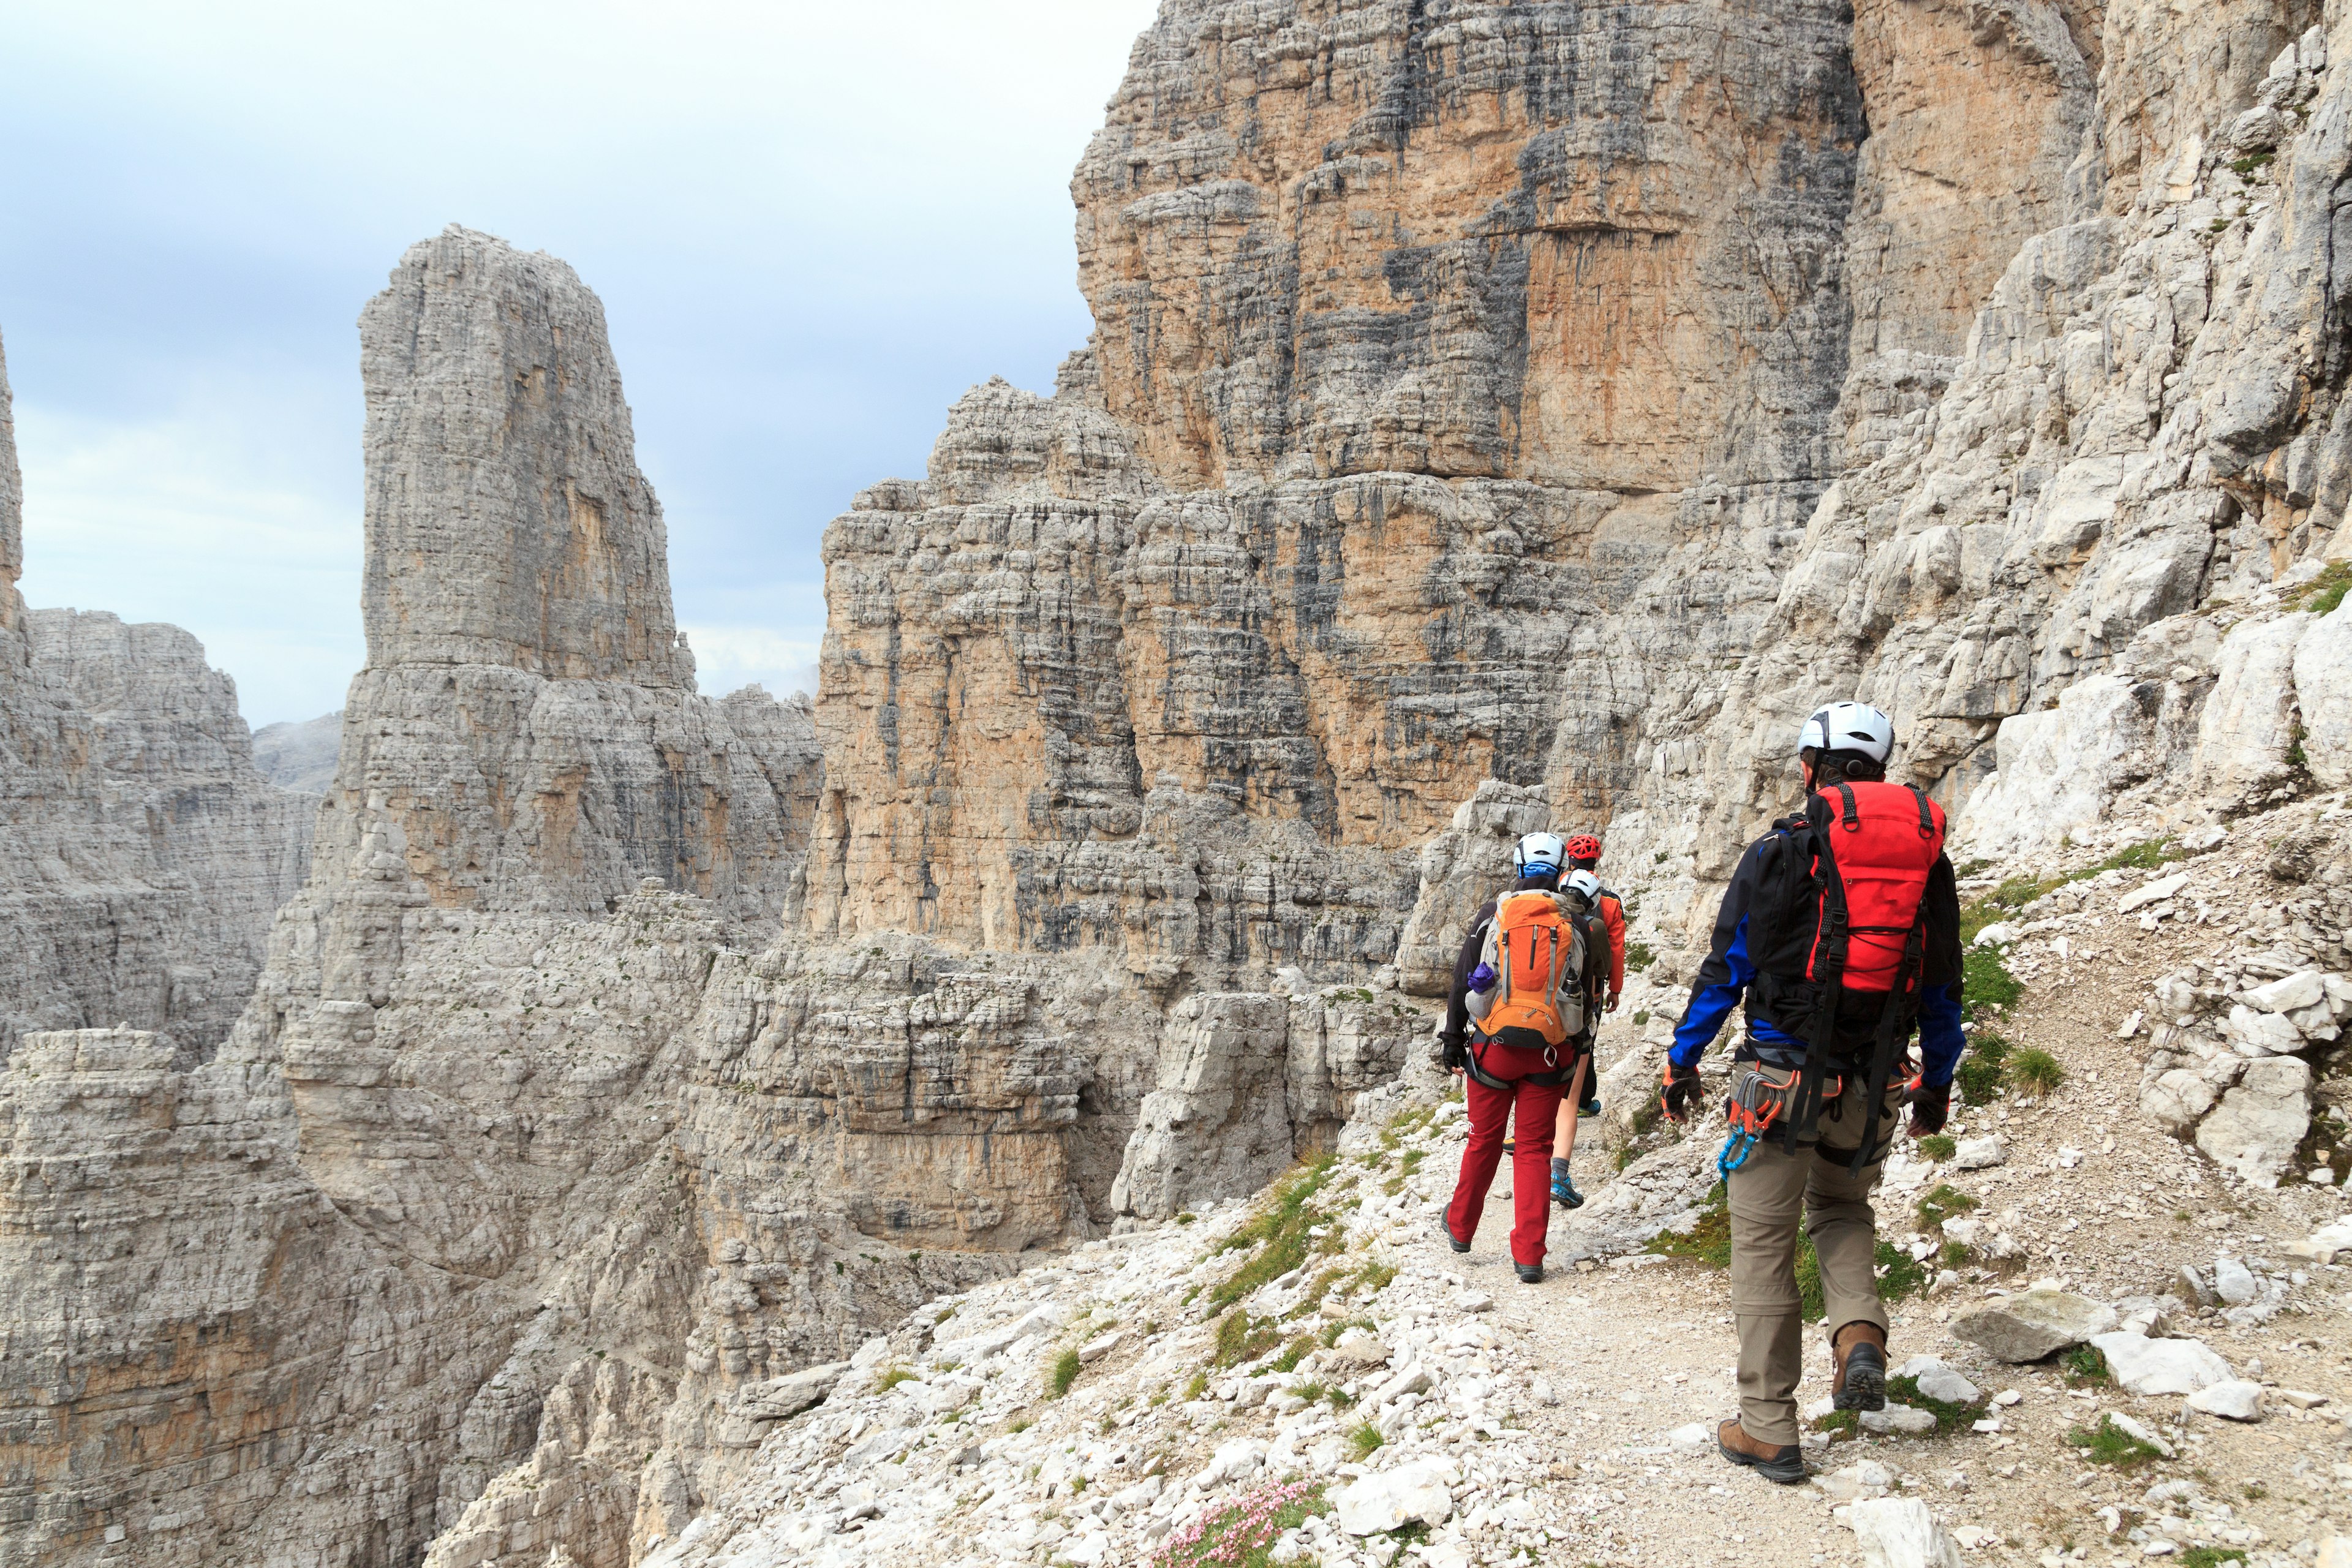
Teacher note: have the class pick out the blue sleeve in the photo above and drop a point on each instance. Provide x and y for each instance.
(1730, 972)
(1940, 1039)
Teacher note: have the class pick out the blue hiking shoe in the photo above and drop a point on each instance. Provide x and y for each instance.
(1564, 1192)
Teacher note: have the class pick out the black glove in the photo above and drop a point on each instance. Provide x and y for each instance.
(1681, 1089)
(1929, 1107)
(1456, 1055)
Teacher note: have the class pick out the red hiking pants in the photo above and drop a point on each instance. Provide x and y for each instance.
(1538, 1107)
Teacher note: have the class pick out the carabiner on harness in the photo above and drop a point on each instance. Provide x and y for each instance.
(1752, 1107)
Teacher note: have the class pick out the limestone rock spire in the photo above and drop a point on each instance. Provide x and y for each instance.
(507, 520)
(11, 488)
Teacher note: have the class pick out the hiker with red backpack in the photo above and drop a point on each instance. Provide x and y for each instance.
(1584, 855)
(1841, 930)
(1518, 1028)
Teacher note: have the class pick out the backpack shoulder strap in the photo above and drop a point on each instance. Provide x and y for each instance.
(1926, 814)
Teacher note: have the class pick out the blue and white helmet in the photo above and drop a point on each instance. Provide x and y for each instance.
(1543, 850)
(1848, 727)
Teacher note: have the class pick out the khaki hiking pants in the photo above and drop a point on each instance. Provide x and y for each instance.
(1767, 1194)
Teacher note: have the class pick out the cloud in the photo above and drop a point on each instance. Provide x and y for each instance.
(729, 657)
(173, 518)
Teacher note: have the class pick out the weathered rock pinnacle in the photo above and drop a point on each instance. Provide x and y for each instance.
(507, 521)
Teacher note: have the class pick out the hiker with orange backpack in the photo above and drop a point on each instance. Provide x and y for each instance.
(1841, 930)
(1518, 1028)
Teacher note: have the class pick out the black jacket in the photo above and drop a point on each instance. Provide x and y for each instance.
(1725, 978)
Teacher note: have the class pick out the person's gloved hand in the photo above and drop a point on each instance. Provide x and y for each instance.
(1929, 1107)
(1681, 1088)
(1615, 997)
(1456, 1055)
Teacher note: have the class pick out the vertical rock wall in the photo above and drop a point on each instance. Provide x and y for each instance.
(1462, 378)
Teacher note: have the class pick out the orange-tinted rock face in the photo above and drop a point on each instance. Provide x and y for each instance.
(1593, 246)
(1462, 374)
(1978, 121)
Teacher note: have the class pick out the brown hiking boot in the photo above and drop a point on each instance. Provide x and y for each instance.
(1860, 1384)
(1785, 1465)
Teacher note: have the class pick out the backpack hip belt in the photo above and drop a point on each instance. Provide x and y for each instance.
(1559, 1075)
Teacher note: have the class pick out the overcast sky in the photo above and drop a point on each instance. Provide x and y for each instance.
(812, 224)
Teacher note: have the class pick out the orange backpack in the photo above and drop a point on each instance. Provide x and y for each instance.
(1537, 947)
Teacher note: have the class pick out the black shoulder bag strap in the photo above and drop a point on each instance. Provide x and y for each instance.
(1829, 980)
(1894, 1019)
(1894, 1028)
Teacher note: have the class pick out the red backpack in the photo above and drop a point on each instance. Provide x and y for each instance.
(1836, 930)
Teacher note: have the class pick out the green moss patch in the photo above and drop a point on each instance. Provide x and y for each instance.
(1942, 1203)
(2109, 1444)
(1279, 1232)
(1241, 1337)
(1949, 1417)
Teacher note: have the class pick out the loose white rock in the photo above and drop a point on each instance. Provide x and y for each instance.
(1979, 1153)
(2236, 1400)
(1942, 1382)
(1901, 1420)
(1390, 1499)
(1899, 1532)
(2296, 992)
(2234, 1282)
(2145, 1366)
(2154, 892)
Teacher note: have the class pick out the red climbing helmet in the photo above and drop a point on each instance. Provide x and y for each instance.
(1583, 846)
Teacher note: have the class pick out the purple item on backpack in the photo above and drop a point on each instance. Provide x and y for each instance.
(1483, 977)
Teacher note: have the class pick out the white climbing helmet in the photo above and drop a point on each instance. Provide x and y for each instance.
(1584, 884)
(1538, 850)
(1848, 727)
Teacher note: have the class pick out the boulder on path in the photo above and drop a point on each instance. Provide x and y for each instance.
(1899, 1532)
(1898, 1420)
(2236, 1400)
(2035, 1324)
(2324, 1244)
(1979, 1153)
(2142, 1365)
(2256, 1128)
(1391, 1500)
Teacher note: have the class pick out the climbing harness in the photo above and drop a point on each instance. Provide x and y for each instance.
(1752, 1108)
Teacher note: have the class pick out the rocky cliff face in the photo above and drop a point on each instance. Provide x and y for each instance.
(526, 1168)
(1471, 373)
(141, 854)
(1488, 404)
